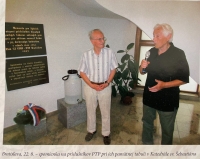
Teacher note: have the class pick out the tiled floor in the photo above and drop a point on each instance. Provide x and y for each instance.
(126, 127)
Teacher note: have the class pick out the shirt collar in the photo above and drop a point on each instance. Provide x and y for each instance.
(101, 52)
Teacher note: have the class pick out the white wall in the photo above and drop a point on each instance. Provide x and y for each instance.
(181, 15)
(66, 36)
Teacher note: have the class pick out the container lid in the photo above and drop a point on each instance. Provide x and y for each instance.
(72, 72)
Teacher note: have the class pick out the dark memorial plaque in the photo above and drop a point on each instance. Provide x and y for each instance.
(26, 72)
(23, 39)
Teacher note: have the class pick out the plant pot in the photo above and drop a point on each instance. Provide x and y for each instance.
(127, 100)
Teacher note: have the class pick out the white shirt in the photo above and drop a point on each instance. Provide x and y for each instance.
(98, 67)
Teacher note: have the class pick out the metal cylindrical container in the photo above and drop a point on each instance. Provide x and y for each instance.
(73, 87)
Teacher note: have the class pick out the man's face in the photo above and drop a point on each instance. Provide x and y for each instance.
(98, 40)
(160, 40)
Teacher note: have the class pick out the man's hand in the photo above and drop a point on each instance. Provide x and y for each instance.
(144, 64)
(96, 87)
(158, 87)
(99, 87)
(102, 86)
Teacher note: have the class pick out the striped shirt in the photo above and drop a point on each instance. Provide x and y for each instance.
(98, 67)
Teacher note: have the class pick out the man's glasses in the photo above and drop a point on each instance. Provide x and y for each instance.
(100, 39)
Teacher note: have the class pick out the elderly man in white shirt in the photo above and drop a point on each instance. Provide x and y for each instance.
(97, 68)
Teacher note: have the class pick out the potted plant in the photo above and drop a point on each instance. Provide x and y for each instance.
(126, 77)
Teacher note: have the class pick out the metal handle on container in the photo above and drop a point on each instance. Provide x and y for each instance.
(78, 75)
(65, 77)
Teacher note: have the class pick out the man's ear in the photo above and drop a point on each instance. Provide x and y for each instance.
(169, 36)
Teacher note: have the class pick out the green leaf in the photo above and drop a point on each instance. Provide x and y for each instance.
(131, 66)
(134, 76)
(122, 66)
(125, 73)
(136, 64)
(120, 83)
(122, 91)
(120, 51)
(116, 79)
(130, 46)
(125, 88)
(118, 75)
(125, 57)
(114, 91)
(131, 84)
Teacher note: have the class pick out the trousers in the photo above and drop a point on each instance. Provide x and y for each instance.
(94, 98)
(167, 120)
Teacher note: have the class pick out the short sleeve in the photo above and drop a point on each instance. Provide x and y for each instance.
(82, 66)
(114, 63)
(183, 72)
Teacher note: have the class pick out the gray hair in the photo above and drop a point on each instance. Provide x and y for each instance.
(92, 31)
(166, 28)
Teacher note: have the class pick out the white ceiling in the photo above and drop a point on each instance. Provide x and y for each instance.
(89, 8)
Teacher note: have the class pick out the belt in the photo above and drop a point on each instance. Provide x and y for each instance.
(98, 83)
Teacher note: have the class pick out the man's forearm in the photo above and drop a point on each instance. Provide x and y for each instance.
(111, 76)
(161, 85)
(173, 83)
(85, 78)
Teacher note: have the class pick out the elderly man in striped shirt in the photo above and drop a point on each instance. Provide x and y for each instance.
(97, 68)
